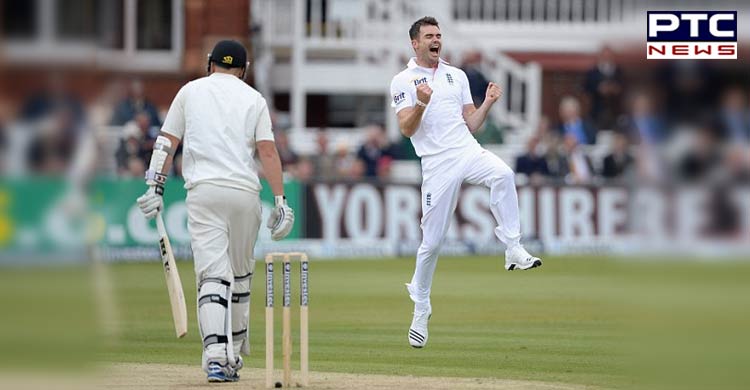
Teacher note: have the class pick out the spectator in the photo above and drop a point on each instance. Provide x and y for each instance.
(643, 125)
(703, 157)
(324, 163)
(571, 122)
(343, 161)
(137, 142)
(477, 81)
(580, 170)
(736, 163)
(289, 159)
(54, 98)
(132, 104)
(532, 163)
(52, 149)
(619, 162)
(604, 88)
(690, 88)
(375, 147)
(384, 168)
(733, 121)
(357, 170)
(305, 169)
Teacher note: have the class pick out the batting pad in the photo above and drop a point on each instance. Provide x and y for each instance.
(214, 318)
(241, 306)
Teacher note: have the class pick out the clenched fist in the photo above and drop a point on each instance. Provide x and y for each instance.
(493, 93)
(424, 93)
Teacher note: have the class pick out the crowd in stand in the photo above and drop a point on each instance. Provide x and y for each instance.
(686, 126)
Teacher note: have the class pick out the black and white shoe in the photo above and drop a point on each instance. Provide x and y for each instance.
(418, 329)
(518, 258)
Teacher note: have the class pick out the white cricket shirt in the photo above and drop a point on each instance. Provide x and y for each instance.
(442, 126)
(219, 119)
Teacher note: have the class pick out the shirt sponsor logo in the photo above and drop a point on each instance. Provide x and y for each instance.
(691, 35)
(419, 81)
(399, 98)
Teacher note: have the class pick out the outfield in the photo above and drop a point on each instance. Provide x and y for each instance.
(568, 322)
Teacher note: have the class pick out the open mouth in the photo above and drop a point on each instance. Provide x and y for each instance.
(435, 49)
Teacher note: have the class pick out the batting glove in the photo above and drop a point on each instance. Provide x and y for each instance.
(150, 203)
(281, 219)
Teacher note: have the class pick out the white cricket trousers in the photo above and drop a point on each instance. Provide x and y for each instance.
(223, 223)
(442, 177)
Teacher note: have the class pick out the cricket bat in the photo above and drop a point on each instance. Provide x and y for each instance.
(174, 285)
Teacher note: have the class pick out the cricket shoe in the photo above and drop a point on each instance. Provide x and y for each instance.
(221, 373)
(418, 328)
(518, 258)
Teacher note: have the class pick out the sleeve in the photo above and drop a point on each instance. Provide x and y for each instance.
(174, 123)
(263, 126)
(465, 89)
(401, 95)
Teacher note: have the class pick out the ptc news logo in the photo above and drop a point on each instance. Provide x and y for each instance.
(691, 35)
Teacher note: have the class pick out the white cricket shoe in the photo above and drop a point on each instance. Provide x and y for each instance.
(418, 328)
(518, 258)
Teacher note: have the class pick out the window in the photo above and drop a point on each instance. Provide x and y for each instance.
(120, 34)
(19, 19)
(112, 24)
(154, 24)
(76, 20)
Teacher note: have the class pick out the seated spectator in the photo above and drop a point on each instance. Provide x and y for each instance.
(532, 163)
(581, 171)
(384, 168)
(135, 167)
(134, 103)
(53, 98)
(736, 163)
(357, 170)
(375, 147)
(619, 162)
(305, 169)
(703, 157)
(286, 154)
(323, 161)
(343, 160)
(604, 87)
(571, 122)
(643, 125)
(137, 141)
(734, 119)
(52, 150)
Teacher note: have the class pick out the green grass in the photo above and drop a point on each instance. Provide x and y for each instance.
(575, 320)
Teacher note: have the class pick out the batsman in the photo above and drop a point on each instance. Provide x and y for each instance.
(223, 123)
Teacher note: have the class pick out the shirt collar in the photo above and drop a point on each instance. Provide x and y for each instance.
(413, 63)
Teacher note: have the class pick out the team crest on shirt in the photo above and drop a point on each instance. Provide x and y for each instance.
(428, 199)
(419, 81)
(450, 78)
(399, 98)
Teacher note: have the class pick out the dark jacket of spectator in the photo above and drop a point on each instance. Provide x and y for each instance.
(604, 87)
(134, 103)
(615, 165)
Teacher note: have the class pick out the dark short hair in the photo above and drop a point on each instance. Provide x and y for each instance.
(425, 21)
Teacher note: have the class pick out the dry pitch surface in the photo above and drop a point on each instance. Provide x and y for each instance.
(163, 376)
